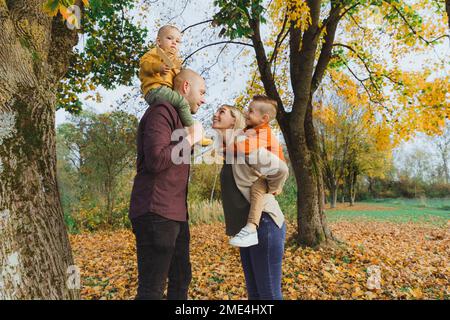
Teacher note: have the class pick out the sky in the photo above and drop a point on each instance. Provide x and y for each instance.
(226, 76)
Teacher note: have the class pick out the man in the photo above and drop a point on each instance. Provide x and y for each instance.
(158, 206)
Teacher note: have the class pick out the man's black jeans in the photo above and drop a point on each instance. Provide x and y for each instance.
(162, 252)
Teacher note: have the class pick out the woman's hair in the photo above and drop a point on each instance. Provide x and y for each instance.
(237, 115)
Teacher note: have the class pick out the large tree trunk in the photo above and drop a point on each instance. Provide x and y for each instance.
(311, 222)
(35, 253)
(297, 125)
(312, 227)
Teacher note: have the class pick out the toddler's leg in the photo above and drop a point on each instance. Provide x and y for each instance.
(183, 109)
(179, 102)
(257, 192)
(152, 95)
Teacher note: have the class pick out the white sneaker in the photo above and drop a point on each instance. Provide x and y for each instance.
(245, 238)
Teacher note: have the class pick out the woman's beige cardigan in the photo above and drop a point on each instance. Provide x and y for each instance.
(262, 162)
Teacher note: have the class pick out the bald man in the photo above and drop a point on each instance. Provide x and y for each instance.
(158, 206)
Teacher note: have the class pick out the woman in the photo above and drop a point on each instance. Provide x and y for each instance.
(261, 263)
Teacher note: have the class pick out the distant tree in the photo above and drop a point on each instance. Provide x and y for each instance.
(350, 145)
(100, 148)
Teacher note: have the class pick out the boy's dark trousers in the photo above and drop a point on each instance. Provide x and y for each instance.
(162, 252)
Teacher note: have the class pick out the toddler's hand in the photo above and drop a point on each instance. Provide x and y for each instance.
(164, 69)
(195, 133)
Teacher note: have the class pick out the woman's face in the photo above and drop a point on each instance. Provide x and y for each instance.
(223, 119)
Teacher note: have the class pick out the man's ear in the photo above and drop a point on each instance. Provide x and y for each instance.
(266, 118)
(185, 86)
(158, 41)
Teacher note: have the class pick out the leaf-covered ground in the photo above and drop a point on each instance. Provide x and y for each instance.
(414, 260)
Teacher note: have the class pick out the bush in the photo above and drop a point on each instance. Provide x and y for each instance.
(288, 199)
(437, 190)
(203, 179)
(402, 188)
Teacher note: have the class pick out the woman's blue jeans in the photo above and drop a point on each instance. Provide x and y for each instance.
(262, 262)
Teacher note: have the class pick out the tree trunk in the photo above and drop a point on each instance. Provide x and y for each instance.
(370, 188)
(334, 194)
(445, 164)
(352, 188)
(353, 197)
(211, 198)
(35, 253)
(108, 192)
(312, 228)
(297, 125)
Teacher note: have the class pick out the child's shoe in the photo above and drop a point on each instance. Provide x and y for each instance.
(204, 142)
(245, 238)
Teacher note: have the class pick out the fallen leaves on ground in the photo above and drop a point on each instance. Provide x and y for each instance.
(412, 259)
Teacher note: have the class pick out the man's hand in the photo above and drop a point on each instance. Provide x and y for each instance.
(164, 69)
(195, 133)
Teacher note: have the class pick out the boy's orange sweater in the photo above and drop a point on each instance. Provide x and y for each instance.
(260, 137)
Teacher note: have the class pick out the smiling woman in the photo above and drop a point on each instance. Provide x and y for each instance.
(262, 262)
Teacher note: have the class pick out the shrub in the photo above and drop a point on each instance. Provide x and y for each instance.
(204, 180)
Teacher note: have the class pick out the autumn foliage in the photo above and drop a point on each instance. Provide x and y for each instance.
(412, 258)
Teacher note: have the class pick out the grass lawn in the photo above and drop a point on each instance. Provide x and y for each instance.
(434, 211)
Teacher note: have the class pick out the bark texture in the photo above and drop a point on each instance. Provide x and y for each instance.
(35, 253)
(297, 125)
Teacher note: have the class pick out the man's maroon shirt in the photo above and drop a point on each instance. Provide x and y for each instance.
(160, 186)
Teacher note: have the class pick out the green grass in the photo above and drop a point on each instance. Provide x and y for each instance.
(440, 204)
(433, 211)
(429, 211)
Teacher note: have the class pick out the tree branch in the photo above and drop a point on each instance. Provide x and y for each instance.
(216, 62)
(428, 42)
(279, 40)
(214, 44)
(366, 66)
(196, 24)
(180, 14)
(302, 63)
(264, 67)
(325, 54)
(361, 81)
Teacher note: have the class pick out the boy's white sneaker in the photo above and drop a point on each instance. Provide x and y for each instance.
(245, 238)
